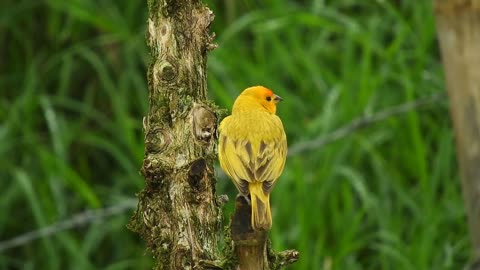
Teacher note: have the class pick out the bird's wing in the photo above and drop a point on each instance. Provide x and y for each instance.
(270, 159)
(257, 157)
(232, 164)
(270, 162)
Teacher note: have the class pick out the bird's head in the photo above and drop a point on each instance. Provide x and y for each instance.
(257, 97)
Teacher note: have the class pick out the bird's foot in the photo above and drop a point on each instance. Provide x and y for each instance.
(246, 197)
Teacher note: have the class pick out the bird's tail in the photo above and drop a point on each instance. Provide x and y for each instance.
(261, 216)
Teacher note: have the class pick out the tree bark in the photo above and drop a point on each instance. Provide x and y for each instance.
(458, 25)
(177, 213)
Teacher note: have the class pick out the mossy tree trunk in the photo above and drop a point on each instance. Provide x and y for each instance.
(177, 213)
(458, 25)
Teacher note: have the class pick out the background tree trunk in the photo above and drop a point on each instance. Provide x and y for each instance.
(458, 24)
(177, 213)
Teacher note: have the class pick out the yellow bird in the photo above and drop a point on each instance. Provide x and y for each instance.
(253, 149)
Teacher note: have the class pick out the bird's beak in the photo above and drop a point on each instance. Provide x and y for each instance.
(277, 99)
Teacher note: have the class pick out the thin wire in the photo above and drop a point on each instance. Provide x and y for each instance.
(363, 122)
(76, 220)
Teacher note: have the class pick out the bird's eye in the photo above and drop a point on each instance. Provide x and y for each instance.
(269, 98)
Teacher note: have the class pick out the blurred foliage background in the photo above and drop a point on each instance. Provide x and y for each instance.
(73, 93)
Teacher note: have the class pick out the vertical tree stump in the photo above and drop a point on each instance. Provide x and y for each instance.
(177, 214)
(250, 247)
(458, 25)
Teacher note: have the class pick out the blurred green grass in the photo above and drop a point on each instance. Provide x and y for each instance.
(72, 78)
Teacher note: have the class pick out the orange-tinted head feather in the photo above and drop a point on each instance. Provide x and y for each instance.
(255, 98)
